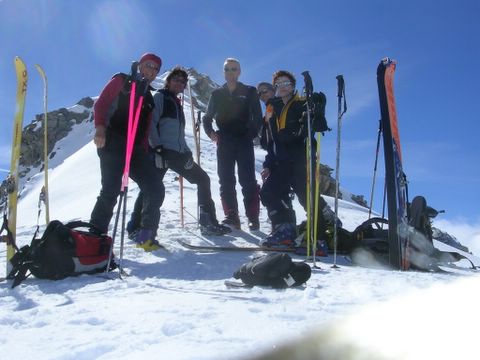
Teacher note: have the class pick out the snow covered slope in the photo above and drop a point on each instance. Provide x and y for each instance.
(175, 305)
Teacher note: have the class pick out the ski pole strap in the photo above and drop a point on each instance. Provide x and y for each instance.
(341, 92)
(308, 84)
(9, 237)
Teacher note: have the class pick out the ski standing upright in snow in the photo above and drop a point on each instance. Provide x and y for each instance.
(44, 196)
(311, 223)
(22, 78)
(395, 178)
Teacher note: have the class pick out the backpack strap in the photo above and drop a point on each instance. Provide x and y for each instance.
(21, 262)
(9, 237)
(79, 224)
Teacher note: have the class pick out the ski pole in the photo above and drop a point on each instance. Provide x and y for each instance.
(194, 125)
(133, 119)
(340, 94)
(195, 137)
(375, 168)
(197, 130)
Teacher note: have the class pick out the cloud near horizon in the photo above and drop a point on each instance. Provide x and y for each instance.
(467, 233)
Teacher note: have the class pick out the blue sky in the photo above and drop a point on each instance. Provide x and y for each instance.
(81, 44)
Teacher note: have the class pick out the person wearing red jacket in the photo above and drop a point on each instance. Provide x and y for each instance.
(111, 124)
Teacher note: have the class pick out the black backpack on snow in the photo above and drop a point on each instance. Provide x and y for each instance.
(63, 251)
(370, 240)
(276, 270)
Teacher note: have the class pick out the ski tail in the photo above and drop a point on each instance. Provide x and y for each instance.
(394, 175)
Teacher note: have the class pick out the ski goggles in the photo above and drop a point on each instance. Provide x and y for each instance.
(283, 84)
(151, 66)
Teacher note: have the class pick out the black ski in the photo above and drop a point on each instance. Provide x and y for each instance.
(236, 284)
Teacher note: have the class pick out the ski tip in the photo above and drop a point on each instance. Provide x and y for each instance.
(40, 70)
(387, 61)
(18, 59)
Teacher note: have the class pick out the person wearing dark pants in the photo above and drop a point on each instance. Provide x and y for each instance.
(111, 122)
(238, 117)
(239, 151)
(285, 164)
(169, 150)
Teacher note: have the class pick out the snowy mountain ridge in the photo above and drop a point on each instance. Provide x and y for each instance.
(174, 302)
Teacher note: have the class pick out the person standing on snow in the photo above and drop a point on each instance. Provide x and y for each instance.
(238, 116)
(111, 124)
(168, 146)
(284, 168)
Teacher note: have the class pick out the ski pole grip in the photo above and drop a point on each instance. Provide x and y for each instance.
(308, 83)
(134, 69)
(340, 85)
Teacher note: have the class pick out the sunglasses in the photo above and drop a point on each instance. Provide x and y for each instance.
(283, 84)
(179, 80)
(264, 91)
(152, 66)
(227, 69)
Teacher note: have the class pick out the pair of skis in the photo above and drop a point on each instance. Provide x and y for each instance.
(13, 178)
(395, 179)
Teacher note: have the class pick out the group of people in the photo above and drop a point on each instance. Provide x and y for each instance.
(160, 145)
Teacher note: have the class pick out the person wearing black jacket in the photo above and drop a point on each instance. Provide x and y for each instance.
(284, 169)
(238, 117)
(170, 150)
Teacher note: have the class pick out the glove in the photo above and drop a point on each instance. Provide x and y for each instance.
(188, 160)
(160, 161)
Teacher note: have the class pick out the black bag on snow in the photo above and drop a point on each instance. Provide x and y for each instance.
(63, 251)
(369, 244)
(276, 270)
(423, 255)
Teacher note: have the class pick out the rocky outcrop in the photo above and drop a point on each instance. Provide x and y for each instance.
(59, 124)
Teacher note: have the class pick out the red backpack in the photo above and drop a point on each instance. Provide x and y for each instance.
(63, 251)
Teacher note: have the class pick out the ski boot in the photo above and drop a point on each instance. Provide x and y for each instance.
(145, 239)
(210, 226)
(132, 230)
(232, 220)
(283, 235)
(253, 224)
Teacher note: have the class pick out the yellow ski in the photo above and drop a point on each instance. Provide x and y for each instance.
(21, 71)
